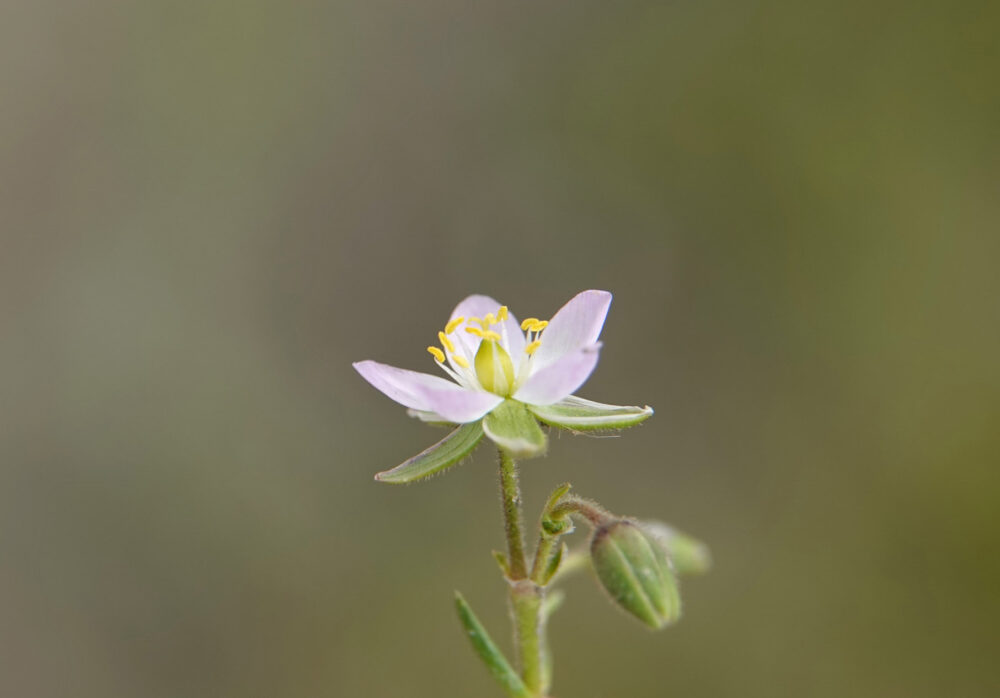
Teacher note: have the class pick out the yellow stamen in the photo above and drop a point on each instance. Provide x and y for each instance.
(446, 343)
(452, 324)
(474, 330)
(502, 313)
(533, 347)
(437, 353)
(490, 319)
(460, 360)
(539, 325)
(490, 334)
(476, 320)
(529, 322)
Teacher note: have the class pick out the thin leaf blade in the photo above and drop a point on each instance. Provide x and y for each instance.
(487, 650)
(442, 455)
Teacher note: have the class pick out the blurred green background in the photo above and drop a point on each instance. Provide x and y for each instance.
(210, 209)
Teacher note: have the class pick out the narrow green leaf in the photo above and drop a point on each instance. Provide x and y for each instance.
(515, 430)
(488, 651)
(578, 414)
(554, 599)
(444, 454)
(553, 564)
(501, 559)
(557, 494)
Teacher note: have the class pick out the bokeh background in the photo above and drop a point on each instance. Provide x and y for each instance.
(210, 209)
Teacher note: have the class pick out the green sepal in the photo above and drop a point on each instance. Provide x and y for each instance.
(513, 428)
(577, 414)
(488, 651)
(444, 454)
(430, 418)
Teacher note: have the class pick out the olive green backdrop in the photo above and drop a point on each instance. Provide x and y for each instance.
(210, 209)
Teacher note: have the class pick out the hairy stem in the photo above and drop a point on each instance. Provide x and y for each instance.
(511, 492)
(526, 606)
(526, 597)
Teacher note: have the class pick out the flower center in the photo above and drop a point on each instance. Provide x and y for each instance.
(492, 366)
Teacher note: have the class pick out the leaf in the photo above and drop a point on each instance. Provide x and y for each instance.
(553, 564)
(444, 454)
(515, 430)
(489, 652)
(578, 414)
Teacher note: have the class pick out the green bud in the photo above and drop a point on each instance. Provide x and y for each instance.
(634, 569)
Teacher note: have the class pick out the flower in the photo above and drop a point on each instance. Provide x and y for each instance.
(502, 369)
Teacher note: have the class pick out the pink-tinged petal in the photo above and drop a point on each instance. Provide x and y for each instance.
(560, 379)
(577, 324)
(514, 337)
(457, 404)
(476, 305)
(480, 306)
(401, 385)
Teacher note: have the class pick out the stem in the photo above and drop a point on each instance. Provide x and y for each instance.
(525, 596)
(595, 514)
(511, 492)
(526, 604)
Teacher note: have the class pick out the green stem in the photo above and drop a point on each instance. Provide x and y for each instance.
(511, 492)
(595, 514)
(526, 605)
(526, 597)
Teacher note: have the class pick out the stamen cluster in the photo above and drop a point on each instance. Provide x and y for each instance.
(492, 368)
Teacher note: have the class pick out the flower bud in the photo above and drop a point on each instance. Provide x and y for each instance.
(634, 569)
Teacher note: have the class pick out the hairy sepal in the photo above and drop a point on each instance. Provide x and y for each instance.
(445, 453)
(578, 414)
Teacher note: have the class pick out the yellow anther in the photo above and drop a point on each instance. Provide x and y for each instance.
(529, 322)
(490, 319)
(437, 354)
(474, 330)
(539, 325)
(446, 343)
(460, 360)
(452, 324)
(476, 320)
(490, 334)
(533, 347)
(502, 313)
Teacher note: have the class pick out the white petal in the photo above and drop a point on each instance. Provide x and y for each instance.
(577, 324)
(476, 305)
(480, 306)
(401, 385)
(457, 404)
(559, 379)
